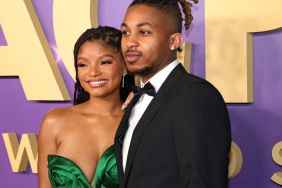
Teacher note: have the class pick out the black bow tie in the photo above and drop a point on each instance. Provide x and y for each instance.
(148, 89)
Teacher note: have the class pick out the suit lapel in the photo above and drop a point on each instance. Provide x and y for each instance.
(149, 113)
(118, 144)
(140, 127)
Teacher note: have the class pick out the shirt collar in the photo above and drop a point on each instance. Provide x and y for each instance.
(158, 79)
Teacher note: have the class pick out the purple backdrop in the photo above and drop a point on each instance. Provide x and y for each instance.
(256, 127)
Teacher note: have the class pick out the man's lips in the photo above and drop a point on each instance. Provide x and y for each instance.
(131, 57)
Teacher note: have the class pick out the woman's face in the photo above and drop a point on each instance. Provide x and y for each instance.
(100, 68)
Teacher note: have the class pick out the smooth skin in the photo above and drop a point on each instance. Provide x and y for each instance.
(148, 43)
(83, 132)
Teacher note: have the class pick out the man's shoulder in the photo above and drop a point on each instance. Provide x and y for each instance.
(186, 77)
(190, 79)
(194, 78)
(191, 83)
(180, 82)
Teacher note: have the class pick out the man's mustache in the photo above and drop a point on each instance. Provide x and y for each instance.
(132, 52)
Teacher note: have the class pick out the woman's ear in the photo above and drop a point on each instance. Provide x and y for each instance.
(176, 40)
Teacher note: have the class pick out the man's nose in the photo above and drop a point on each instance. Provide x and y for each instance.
(131, 41)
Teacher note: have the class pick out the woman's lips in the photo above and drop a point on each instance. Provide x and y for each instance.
(97, 83)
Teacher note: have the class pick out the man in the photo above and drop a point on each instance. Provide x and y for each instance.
(180, 136)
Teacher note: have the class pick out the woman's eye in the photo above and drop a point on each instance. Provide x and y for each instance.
(106, 62)
(81, 65)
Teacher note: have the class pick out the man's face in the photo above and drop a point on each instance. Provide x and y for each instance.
(145, 40)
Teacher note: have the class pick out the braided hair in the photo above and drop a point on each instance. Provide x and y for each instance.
(111, 37)
(171, 7)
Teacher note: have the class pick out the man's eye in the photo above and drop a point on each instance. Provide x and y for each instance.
(125, 33)
(106, 62)
(145, 32)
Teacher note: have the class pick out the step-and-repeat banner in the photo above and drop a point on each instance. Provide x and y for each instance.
(236, 45)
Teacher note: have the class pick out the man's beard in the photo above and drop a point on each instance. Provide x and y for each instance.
(143, 72)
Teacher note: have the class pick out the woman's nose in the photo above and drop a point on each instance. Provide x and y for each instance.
(94, 70)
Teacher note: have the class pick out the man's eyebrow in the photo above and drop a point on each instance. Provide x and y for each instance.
(138, 25)
(144, 24)
(123, 24)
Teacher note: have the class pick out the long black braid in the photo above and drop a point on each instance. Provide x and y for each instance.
(170, 7)
(111, 37)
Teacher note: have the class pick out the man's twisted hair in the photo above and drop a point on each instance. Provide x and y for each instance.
(171, 7)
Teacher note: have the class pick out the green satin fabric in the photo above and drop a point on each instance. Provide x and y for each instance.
(63, 173)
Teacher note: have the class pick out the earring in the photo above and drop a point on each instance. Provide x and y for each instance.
(172, 48)
(122, 81)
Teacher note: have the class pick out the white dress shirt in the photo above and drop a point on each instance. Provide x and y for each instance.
(142, 104)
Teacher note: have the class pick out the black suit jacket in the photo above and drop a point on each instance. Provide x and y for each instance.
(181, 141)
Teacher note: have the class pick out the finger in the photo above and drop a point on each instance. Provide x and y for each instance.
(127, 101)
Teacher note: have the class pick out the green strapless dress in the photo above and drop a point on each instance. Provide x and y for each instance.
(63, 173)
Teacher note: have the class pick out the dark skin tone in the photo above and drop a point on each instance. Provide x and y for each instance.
(83, 132)
(149, 41)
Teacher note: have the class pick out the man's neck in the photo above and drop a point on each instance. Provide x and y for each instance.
(144, 79)
(161, 76)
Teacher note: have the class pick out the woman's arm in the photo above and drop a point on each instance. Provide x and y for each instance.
(46, 145)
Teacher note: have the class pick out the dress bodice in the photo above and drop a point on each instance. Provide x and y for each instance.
(64, 173)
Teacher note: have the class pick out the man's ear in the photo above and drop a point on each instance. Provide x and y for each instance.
(176, 40)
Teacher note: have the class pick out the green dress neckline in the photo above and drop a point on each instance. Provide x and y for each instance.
(64, 173)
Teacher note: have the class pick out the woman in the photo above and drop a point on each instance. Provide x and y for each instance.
(75, 143)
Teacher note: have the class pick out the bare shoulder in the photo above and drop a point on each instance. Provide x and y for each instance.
(55, 119)
(48, 143)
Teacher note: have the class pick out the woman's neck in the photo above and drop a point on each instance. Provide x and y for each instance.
(105, 105)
